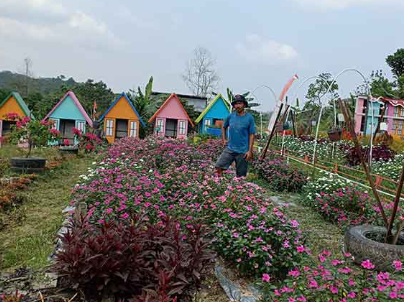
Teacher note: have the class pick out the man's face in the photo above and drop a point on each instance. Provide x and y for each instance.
(239, 107)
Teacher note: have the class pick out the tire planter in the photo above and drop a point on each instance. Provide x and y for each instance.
(69, 149)
(334, 135)
(362, 248)
(27, 165)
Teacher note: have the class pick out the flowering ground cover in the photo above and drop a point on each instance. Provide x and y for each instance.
(159, 179)
(342, 202)
(280, 176)
(335, 279)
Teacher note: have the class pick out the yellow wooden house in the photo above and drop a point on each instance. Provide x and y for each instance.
(121, 119)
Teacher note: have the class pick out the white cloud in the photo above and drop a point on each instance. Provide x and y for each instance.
(13, 28)
(12, 7)
(49, 21)
(341, 4)
(260, 50)
(86, 23)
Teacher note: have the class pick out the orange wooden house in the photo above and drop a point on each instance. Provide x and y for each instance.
(121, 119)
(13, 103)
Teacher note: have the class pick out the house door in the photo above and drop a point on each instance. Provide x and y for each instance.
(7, 127)
(121, 129)
(66, 130)
(171, 127)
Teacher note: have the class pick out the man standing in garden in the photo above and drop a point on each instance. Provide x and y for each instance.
(239, 146)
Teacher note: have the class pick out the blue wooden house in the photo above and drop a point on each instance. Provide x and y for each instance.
(211, 119)
(67, 114)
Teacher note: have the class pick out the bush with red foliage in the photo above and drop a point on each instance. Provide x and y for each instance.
(379, 153)
(140, 261)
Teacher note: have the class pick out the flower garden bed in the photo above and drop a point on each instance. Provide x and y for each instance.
(166, 179)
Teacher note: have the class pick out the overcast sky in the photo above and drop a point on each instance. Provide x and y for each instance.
(124, 42)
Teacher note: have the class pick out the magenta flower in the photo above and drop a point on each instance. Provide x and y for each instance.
(300, 249)
(266, 277)
(367, 264)
(398, 265)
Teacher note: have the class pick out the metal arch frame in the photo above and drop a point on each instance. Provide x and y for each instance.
(321, 109)
(296, 94)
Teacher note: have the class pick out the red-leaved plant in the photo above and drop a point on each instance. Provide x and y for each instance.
(137, 260)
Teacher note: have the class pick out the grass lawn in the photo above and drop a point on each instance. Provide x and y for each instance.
(28, 237)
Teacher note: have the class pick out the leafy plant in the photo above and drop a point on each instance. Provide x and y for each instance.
(35, 133)
(87, 141)
(279, 175)
(129, 260)
(379, 153)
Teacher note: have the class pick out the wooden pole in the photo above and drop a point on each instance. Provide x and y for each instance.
(351, 128)
(389, 237)
(271, 134)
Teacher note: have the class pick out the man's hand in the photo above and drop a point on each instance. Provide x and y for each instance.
(248, 156)
(225, 141)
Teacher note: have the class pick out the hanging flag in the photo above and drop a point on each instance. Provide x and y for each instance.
(94, 109)
(272, 121)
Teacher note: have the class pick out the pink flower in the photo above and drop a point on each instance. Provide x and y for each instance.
(125, 215)
(333, 289)
(266, 277)
(294, 273)
(367, 264)
(351, 295)
(300, 249)
(398, 265)
(393, 295)
(313, 283)
(235, 235)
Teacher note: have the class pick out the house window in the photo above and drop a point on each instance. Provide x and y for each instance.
(182, 127)
(365, 103)
(133, 129)
(109, 127)
(81, 126)
(396, 111)
(159, 125)
(207, 123)
(54, 123)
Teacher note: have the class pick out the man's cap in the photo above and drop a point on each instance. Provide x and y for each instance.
(239, 98)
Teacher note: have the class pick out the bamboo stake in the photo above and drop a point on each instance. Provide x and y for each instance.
(351, 128)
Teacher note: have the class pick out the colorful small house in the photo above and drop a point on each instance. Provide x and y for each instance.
(393, 115)
(13, 103)
(67, 114)
(171, 119)
(121, 119)
(213, 115)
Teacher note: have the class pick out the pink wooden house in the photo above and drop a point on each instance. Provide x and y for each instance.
(171, 119)
(393, 117)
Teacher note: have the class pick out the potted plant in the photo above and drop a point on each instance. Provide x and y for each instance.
(334, 134)
(30, 133)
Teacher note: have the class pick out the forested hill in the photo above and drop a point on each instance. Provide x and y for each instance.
(19, 82)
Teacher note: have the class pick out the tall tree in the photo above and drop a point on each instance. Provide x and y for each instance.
(200, 75)
(91, 91)
(396, 62)
(144, 104)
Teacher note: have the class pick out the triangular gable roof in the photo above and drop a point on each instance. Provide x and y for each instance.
(20, 102)
(204, 112)
(123, 94)
(173, 95)
(76, 102)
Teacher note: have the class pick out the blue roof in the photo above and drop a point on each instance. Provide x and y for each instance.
(123, 94)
